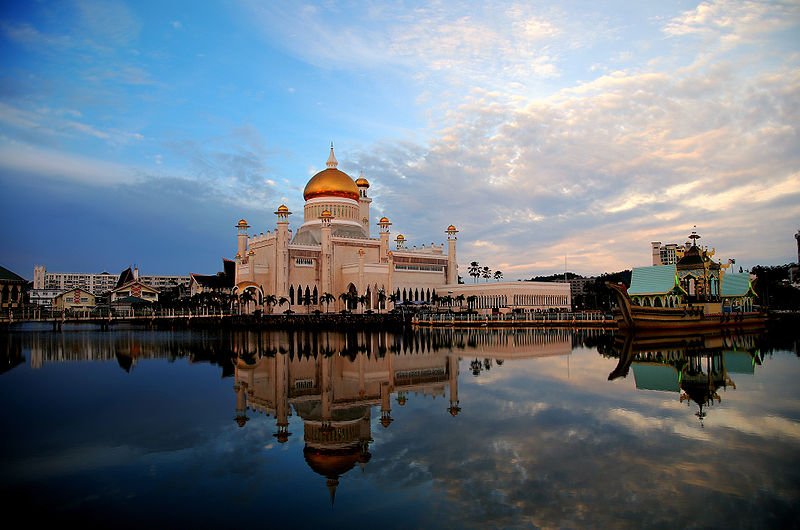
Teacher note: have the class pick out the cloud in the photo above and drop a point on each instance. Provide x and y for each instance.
(597, 170)
(25, 161)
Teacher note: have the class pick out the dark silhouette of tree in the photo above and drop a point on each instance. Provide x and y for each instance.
(474, 270)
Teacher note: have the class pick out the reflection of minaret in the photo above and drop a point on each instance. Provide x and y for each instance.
(452, 368)
(241, 403)
(386, 409)
(282, 398)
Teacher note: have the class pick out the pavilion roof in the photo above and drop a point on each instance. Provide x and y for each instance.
(735, 284)
(658, 279)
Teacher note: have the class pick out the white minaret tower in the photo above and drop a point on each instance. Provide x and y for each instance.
(282, 251)
(326, 265)
(383, 226)
(363, 201)
(452, 263)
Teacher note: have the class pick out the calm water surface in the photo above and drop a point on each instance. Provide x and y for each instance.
(431, 429)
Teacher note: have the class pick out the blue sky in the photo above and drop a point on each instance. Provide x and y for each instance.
(140, 132)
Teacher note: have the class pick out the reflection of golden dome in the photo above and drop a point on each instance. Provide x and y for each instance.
(331, 182)
(332, 464)
(362, 182)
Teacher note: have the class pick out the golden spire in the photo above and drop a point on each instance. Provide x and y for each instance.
(332, 162)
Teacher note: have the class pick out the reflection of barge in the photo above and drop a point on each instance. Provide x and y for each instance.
(696, 366)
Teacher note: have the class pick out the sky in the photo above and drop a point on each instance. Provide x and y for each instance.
(553, 135)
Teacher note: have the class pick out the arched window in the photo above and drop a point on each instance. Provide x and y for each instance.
(291, 294)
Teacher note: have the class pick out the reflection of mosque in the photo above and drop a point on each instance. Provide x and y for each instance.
(696, 367)
(332, 381)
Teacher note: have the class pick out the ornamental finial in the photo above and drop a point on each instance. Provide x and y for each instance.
(332, 162)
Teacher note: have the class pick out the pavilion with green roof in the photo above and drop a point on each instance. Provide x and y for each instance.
(656, 286)
(737, 292)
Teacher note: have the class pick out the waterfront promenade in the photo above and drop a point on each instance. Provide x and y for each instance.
(579, 319)
(209, 317)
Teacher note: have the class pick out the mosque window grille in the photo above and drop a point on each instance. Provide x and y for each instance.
(304, 384)
(304, 262)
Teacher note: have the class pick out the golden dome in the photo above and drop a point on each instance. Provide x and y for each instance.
(326, 213)
(401, 237)
(331, 182)
(383, 220)
(283, 208)
(451, 228)
(362, 182)
(242, 223)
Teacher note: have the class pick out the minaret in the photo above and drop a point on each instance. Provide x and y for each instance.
(282, 251)
(326, 256)
(401, 242)
(384, 225)
(241, 247)
(363, 201)
(452, 263)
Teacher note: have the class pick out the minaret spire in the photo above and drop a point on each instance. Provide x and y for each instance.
(332, 162)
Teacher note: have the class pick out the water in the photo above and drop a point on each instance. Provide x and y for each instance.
(433, 429)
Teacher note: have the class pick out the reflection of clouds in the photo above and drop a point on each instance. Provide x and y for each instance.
(540, 449)
(637, 421)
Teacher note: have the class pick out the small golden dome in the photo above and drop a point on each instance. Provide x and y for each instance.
(401, 237)
(326, 214)
(331, 182)
(283, 208)
(451, 228)
(361, 182)
(384, 220)
(242, 223)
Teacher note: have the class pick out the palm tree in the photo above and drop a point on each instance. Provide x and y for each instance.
(245, 297)
(345, 298)
(381, 299)
(471, 299)
(460, 299)
(475, 270)
(362, 300)
(282, 301)
(326, 299)
(498, 275)
(486, 273)
(393, 298)
(270, 300)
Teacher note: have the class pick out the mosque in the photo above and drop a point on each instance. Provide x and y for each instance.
(331, 258)
(332, 253)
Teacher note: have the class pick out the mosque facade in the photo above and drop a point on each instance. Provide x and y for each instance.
(331, 253)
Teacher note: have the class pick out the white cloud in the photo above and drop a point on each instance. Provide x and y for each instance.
(26, 161)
